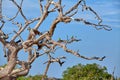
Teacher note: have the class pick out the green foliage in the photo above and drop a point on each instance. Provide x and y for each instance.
(59, 39)
(79, 72)
(36, 77)
(86, 72)
(22, 78)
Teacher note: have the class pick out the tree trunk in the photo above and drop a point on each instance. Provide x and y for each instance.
(9, 78)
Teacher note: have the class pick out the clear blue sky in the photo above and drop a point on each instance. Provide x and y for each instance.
(94, 43)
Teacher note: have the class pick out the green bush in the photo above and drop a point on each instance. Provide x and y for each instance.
(86, 72)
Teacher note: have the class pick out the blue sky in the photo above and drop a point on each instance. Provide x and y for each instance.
(94, 43)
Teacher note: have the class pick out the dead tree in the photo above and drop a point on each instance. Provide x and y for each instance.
(12, 45)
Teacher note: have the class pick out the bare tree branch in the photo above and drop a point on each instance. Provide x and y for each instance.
(3, 22)
(20, 8)
(17, 11)
(21, 30)
(74, 52)
(41, 6)
(73, 8)
(97, 26)
(45, 14)
(46, 70)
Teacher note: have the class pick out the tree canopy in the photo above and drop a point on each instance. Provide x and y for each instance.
(86, 72)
